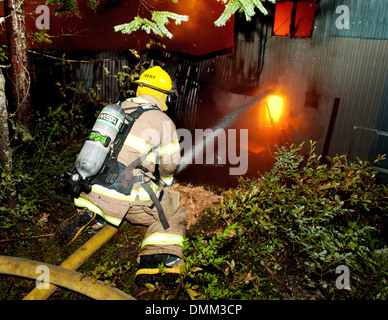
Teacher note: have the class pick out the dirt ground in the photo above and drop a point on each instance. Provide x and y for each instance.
(196, 200)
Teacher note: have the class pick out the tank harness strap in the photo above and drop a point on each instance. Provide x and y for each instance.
(126, 128)
(158, 206)
(126, 179)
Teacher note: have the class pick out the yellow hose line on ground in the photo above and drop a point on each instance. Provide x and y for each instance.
(72, 280)
(77, 259)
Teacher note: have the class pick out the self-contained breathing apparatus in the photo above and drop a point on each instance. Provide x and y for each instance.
(97, 161)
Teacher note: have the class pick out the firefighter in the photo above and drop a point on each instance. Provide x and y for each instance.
(152, 146)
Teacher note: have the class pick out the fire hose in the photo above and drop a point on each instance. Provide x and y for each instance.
(64, 275)
(72, 280)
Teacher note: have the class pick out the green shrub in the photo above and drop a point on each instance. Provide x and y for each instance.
(35, 164)
(301, 220)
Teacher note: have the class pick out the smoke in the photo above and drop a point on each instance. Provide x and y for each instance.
(230, 118)
(223, 124)
(307, 122)
(226, 101)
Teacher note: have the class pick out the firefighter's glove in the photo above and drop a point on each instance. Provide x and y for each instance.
(70, 229)
(167, 181)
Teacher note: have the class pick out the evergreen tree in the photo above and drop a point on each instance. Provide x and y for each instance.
(17, 105)
(246, 6)
(68, 7)
(19, 95)
(158, 24)
(160, 19)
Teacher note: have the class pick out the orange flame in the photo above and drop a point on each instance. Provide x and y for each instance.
(275, 108)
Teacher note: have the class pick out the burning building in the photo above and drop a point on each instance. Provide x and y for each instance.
(328, 59)
(324, 63)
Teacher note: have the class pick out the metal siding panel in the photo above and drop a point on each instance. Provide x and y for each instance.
(353, 70)
(382, 124)
(368, 19)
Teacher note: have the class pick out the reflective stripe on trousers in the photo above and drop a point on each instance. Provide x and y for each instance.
(163, 239)
(85, 203)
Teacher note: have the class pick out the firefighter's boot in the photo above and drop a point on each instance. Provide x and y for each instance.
(161, 268)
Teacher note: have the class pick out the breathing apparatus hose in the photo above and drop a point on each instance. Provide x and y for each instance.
(71, 263)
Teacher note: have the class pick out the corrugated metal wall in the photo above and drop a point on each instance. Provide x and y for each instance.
(350, 69)
(351, 65)
(101, 72)
(191, 75)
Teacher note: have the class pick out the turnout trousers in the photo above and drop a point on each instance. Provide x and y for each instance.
(157, 240)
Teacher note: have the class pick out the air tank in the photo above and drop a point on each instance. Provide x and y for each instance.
(99, 142)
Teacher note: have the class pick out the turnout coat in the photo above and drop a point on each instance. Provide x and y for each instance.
(153, 137)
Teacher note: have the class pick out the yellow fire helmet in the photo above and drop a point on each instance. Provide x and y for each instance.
(157, 79)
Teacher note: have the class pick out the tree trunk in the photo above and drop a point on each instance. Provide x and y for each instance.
(5, 149)
(19, 97)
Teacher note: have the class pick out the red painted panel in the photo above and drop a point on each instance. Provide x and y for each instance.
(304, 18)
(94, 30)
(282, 18)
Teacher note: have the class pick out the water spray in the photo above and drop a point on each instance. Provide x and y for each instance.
(224, 123)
